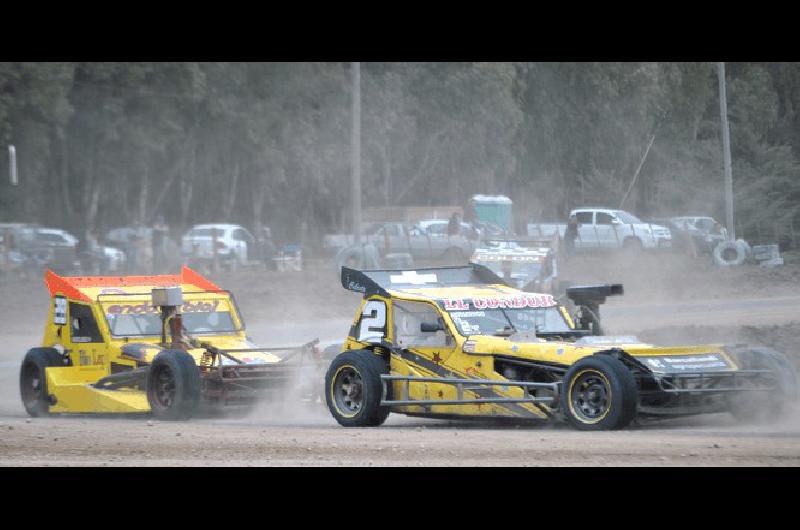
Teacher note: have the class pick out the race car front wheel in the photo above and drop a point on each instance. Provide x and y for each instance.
(764, 407)
(33, 382)
(353, 389)
(173, 385)
(599, 393)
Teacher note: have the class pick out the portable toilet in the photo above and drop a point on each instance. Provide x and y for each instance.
(495, 209)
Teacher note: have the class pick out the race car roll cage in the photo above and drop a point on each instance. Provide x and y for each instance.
(106, 297)
(683, 388)
(224, 382)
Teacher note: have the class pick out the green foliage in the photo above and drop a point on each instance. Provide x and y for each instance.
(108, 144)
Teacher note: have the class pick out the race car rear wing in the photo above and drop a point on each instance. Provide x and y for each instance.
(378, 281)
(593, 295)
(589, 298)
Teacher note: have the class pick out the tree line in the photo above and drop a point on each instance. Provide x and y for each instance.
(102, 145)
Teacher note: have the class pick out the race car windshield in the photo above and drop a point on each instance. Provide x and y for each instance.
(520, 270)
(200, 317)
(503, 321)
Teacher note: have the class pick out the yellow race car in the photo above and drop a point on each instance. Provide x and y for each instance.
(168, 344)
(458, 342)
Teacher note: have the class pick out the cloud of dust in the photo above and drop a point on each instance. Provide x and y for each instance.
(300, 402)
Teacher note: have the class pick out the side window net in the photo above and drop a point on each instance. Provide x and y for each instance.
(83, 326)
(407, 318)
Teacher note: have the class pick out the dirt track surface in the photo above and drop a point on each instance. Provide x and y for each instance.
(715, 441)
(664, 303)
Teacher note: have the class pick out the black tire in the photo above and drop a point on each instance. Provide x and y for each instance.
(729, 253)
(632, 246)
(765, 407)
(611, 391)
(32, 380)
(359, 404)
(173, 385)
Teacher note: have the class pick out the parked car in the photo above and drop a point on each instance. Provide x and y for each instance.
(53, 246)
(115, 259)
(333, 243)
(393, 238)
(694, 230)
(16, 228)
(425, 240)
(608, 229)
(233, 244)
(478, 230)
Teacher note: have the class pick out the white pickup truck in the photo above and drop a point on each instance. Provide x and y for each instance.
(602, 228)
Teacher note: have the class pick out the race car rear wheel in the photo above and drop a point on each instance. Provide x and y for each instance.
(32, 380)
(353, 389)
(599, 393)
(173, 385)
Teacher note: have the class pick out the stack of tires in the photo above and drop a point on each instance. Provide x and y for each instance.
(731, 253)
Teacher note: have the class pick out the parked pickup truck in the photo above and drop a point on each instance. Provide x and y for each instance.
(601, 228)
(420, 243)
(608, 229)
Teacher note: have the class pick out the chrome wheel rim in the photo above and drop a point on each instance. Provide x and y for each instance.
(348, 391)
(590, 397)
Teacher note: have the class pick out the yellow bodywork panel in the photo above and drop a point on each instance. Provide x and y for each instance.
(72, 389)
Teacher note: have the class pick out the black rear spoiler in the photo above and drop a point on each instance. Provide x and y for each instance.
(593, 294)
(372, 282)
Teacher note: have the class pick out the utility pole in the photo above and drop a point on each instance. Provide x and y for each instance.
(726, 153)
(356, 152)
(12, 165)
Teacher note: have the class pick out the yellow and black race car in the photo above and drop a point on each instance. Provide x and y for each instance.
(168, 344)
(526, 263)
(458, 342)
